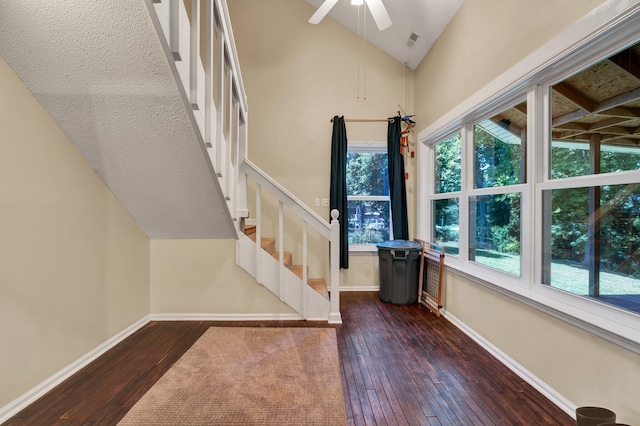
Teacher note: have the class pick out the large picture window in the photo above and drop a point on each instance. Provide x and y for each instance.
(368, 200)
(592, 232)
(540, 199)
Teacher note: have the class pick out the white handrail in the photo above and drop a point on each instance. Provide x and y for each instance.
(289, 200)
(330, 231)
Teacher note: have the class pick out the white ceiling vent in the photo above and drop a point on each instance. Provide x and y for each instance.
(413, 37)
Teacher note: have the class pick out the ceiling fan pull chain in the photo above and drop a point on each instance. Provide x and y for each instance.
(359, 44)
(364, 57)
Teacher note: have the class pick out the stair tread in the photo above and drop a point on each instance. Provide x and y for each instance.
(288, 258)
(297, 269)
(319, 285)
(268, 244)
(249, 229)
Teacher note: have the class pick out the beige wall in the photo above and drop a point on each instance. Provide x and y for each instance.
(297, 77)
(74, 266)
(583, 368)
(201, 277)
(483, 41)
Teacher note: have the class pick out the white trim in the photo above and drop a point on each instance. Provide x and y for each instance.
(369, 146)
(551, 394)
(368, 197)
(226, 317)
(363, 250)
(359, 288)
(24, 400)
(424, 180)
(617, 178)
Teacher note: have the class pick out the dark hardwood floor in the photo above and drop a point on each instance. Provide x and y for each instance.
(400, 365)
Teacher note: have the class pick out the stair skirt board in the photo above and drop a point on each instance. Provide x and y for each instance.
(246, 254)
(318, 307)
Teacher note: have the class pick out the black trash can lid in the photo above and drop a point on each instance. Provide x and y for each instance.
(400, 245)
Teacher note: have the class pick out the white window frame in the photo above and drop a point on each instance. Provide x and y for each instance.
(593, 38)
(471, 191)
(364, 147)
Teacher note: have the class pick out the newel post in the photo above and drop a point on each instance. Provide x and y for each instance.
(334, 312)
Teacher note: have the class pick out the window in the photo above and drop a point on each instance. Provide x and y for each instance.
(591, 211)
(499, 151)
(448, 181)
(368, 200)
(494, 223)
(447, 169)
(540, 199)
(446, 213)
(499, 165)
(593, 247)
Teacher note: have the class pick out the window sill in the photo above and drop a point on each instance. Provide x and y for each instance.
(363, 250)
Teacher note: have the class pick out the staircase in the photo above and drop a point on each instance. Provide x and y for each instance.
(269, 245)
(214, 94)
(151, 94)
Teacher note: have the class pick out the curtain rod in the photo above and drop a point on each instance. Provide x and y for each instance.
(365, 120)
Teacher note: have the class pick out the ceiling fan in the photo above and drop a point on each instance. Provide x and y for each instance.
(378, 11)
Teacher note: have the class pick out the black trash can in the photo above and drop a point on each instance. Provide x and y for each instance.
(399, 265)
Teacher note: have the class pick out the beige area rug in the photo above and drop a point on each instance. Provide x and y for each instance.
(249, 376)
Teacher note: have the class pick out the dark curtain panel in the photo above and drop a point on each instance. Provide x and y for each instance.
(338, 191)
(397, 186)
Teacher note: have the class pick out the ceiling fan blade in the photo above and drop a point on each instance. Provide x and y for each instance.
(322, 11)
(379, 13)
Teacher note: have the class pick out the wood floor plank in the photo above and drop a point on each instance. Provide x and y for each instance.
(400, 365)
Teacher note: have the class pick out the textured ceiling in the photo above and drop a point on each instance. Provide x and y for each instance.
(427, 18)
(100, 72)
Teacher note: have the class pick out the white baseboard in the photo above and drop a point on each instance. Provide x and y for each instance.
(563, 403)
(359, 288)
(226, 317)
(20, 403)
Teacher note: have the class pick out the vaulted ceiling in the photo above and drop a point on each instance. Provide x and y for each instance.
(425, 18)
